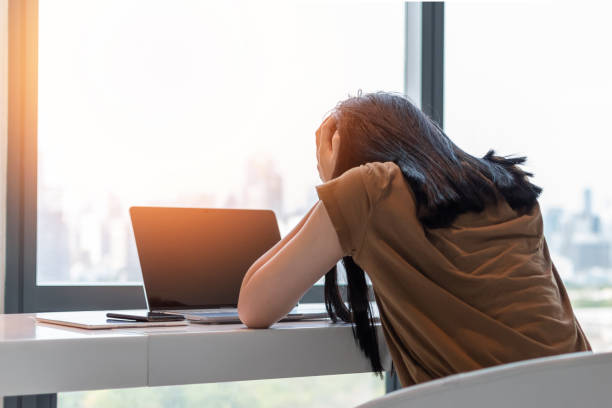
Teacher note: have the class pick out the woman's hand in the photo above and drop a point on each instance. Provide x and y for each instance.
(328, 147)
(272, 287)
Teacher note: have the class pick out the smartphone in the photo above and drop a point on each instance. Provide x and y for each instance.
(147, 317)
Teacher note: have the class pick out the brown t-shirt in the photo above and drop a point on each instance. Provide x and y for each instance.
(478, 293)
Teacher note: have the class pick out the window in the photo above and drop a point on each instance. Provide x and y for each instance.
(188, 103)
(534, 79)
(181, 102)
(96, 107)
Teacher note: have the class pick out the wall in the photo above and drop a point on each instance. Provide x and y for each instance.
(3, 138)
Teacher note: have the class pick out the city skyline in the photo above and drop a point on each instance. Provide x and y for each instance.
(94, 242)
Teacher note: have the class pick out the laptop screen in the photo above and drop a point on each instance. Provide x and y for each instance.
(194, 258)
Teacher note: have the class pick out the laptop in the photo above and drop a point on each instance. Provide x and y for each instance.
(193, 259)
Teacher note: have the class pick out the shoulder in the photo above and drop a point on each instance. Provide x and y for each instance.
(379, 171)
(351, 198)
(378, 177)
(369, 180)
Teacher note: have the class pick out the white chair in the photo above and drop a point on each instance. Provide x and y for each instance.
(577, 380)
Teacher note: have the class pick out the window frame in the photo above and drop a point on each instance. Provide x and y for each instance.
(22, 292)
(23, 295)
(423, 80)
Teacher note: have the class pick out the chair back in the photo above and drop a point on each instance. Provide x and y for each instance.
(577, 380)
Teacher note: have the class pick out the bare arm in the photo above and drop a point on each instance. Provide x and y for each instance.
(280, 244)
(272, 287)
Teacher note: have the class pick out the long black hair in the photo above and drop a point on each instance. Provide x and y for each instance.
(445, 180)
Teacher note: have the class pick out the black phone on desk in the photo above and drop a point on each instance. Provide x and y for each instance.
(147, 317)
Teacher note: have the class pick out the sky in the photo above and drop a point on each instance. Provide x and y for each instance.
(156, 101)
(149, 100)
(534, 79)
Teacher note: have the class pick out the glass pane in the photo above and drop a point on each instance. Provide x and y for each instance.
(534, 79)
(308, 392)
(189, 103)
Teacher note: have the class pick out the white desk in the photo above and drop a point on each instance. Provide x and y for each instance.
(40, 358)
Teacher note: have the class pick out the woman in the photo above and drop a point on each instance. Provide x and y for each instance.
(453, 245)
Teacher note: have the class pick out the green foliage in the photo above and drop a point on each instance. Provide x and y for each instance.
(590, 296)
(585, 302)
(312, 392)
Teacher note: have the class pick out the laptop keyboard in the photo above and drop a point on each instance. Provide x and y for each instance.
(213, 314)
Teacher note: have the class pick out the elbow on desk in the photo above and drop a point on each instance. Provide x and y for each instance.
(251, 317)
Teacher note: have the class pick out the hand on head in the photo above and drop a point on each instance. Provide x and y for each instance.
(328, 145)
